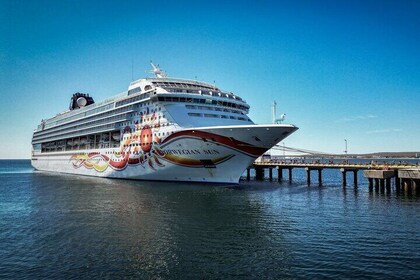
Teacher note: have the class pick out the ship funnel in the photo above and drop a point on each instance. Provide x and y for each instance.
(80, 100)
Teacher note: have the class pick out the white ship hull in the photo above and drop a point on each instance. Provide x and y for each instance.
(206, 154)
(159, 129)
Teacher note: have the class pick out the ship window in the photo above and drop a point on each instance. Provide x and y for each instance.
(211, 116)
(194, 114)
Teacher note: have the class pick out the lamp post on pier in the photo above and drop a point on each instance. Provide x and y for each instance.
(345, 144)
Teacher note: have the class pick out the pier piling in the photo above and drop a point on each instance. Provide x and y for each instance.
(388, 184)
(290, 175)
(382, 185)
(370, 184)
(355, 177)
(320, 177)
(279, 174)
(410, 180)
(259, 174)
(344, 174)
(380, 177)
(397, 180)
(308, 175)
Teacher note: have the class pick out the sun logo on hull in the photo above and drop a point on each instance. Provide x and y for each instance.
(141, 144)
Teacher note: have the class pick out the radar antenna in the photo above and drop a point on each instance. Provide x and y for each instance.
(157, 71)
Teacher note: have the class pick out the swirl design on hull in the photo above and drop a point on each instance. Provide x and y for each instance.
(136, 151)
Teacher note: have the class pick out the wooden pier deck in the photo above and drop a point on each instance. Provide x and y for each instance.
(405, 175)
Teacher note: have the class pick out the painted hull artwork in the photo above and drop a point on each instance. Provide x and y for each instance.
(156, 154)
(145, 148)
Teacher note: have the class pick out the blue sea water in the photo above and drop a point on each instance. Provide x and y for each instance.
(73, 227)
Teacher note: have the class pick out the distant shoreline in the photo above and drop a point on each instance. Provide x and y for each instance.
(399, 155)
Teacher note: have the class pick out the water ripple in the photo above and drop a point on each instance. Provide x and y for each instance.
(73, 227)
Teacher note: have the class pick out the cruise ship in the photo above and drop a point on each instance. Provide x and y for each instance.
(161, 128)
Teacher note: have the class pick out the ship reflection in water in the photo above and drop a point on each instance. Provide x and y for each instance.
(64, 226)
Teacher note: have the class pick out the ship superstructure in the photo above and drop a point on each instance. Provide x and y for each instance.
(161, 128)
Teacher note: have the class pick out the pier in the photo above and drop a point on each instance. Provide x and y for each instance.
(380, 176)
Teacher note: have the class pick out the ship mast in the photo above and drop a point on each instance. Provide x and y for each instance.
(159, 73)
(282, 116)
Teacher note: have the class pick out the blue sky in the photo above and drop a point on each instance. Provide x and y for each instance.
(338, 69)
